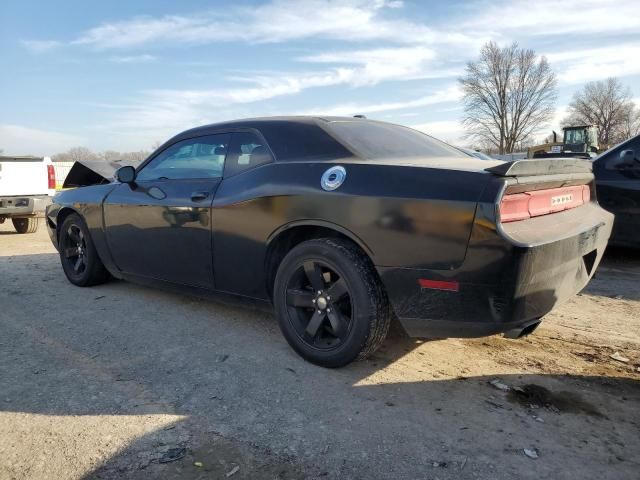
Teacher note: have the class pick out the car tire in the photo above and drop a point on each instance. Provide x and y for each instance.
(78, 255)
(25, 225)
(330, 331)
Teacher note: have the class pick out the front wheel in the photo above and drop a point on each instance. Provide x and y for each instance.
(329, 302)
(25, 225)
(78, 255)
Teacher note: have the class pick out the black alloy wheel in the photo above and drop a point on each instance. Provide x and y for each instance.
(329, 302)
(319, 305)
(74, 249)
(78, 255)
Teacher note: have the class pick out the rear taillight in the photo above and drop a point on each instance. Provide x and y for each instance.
(51, 176)
(520, 206)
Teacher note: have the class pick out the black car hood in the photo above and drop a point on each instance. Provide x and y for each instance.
(95, 172)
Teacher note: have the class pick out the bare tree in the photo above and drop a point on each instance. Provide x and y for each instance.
(82, 153)
(74, 154)
(606, 104)
(138, 156)
(631, 124)
(509, 94)
(110, 155)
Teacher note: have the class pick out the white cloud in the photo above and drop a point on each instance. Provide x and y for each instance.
(264, 87)
(40, 46)
(450, 94)
(163, 112)
(548, 17)
(19, 140)
(377, 65)
(416, 54)
(277, 21)
(583, 65)
(347, 44)
(133, 59)
(556, 122)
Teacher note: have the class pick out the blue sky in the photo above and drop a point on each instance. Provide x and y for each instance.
(123, 75)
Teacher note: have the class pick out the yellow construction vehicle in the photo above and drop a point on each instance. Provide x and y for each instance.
(578, 141)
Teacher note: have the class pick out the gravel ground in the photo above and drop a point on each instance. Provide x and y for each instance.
(122, 381)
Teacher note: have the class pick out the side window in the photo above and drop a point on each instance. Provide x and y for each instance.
(247, 150)
(625, 157)
(201, 157)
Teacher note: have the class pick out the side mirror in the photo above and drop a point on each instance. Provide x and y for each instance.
(627, 157)
(126, 174)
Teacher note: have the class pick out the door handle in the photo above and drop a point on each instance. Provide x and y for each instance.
(198, 196)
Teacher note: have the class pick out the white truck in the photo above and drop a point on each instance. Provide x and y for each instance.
(27, 185)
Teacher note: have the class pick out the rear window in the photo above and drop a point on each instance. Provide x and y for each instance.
(384, 140)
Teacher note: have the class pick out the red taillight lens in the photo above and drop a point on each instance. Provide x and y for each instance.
(514, 207)
(51, 175)
(520, 206)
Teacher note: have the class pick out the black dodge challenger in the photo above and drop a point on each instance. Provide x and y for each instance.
(341, 224)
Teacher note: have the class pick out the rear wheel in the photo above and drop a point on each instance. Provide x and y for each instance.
(329, 302)
(78, 254)
(25, 225)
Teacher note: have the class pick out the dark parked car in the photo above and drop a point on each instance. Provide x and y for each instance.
(340, 224)
(618, 187)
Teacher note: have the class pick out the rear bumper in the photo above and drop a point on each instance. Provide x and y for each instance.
(505, 283)
(24, 206)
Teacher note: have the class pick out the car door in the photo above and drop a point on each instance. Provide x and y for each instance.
(160, 225)
(618, 188)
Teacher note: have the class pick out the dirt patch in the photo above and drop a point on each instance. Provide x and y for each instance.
(121, 381)
(537, 396)
(215, 457)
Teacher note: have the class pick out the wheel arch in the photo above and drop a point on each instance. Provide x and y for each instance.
(61, 216)
(287, 236)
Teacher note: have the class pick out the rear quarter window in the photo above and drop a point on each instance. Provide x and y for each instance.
(300, 141)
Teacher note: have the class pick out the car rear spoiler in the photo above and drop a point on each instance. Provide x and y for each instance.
(549, 166)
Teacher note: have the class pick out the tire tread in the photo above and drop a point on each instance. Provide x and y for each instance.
(98, 274)
(378, 311)
(26, 224)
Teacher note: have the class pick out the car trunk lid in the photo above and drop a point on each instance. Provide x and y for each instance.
(534, 188)
(94, 172)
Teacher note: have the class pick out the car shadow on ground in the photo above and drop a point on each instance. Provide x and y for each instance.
(197, 381)
(618, 271)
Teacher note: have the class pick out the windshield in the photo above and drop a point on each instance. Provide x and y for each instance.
(385, 140)
(575, 136)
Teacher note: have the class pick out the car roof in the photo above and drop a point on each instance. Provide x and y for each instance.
(264, 121)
